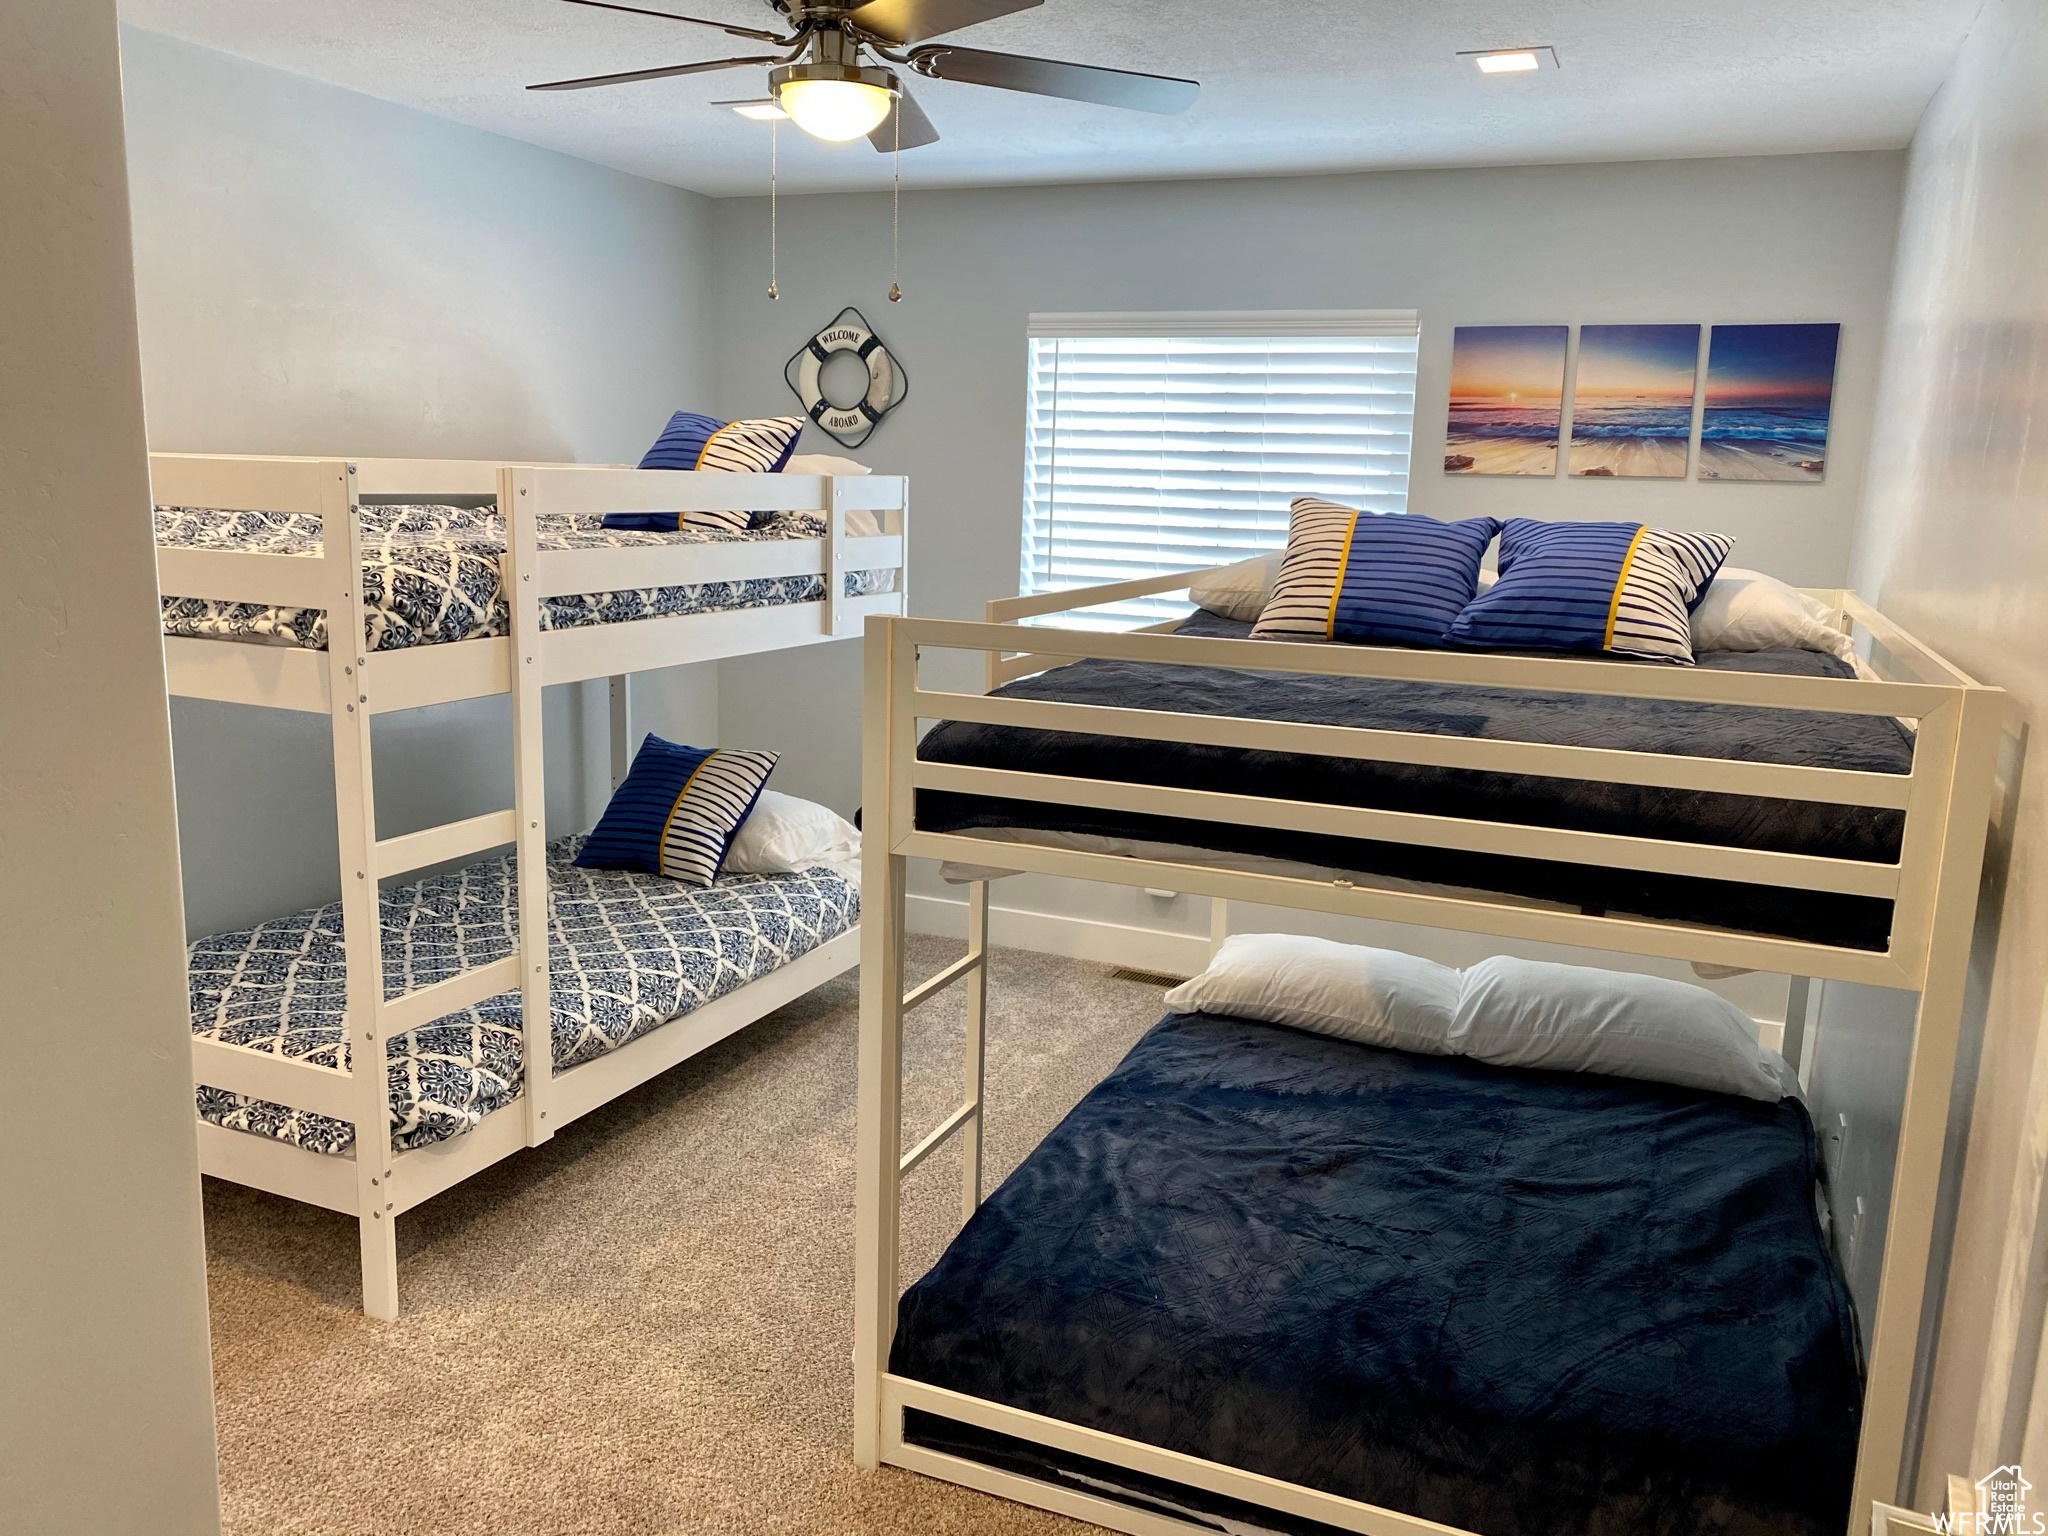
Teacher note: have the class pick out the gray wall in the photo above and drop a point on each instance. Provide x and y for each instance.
(1796, 238)
(321, 272)
(106, 1409)
(1955, 545)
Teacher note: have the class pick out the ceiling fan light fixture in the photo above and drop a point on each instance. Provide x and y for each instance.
(834, 102)
(1512, 61)
(757, 111)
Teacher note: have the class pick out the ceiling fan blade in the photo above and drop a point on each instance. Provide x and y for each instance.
(912, 21)
(696, 21)
(1049, 77)
(705, 68)
(917, 129)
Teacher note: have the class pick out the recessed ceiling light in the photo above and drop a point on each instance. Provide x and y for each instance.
(1512, 61)
(763, 110)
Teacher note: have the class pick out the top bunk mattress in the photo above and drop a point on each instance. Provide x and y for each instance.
(1519, 1303)
(431, 574)
(1743, 734)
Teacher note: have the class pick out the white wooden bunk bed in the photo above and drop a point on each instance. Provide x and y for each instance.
(1932, 884)
(351, 684)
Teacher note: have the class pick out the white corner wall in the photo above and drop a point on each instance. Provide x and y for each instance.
(1791, 238)
(321, 272)
(106, 1404)
(1955, 544)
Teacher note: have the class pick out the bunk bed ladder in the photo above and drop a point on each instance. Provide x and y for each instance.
(965, 1121)
(891, 668)
(355, 811)
(372, 1017)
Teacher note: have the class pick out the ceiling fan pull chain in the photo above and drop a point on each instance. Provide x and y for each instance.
(896, 218)
(773, 167)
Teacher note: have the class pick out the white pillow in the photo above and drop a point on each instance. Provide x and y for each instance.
(783, 835)
(1574, 1018)
(1749, 611)
(1375, 996)
(859, 521)
(823, 464)
(1239, 591)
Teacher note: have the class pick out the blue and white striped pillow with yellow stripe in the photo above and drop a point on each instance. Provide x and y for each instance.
(1384, 576)
(1622, 589)
(695, 441)
(677, 810)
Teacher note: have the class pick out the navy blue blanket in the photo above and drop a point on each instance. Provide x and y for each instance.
(1520, 1303)
(1700, 730)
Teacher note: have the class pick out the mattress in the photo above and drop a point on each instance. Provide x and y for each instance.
(1518, 1303)
(431, 574)
(629, 952)
(1867, 743)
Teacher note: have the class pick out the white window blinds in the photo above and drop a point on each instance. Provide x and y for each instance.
(1160, 443)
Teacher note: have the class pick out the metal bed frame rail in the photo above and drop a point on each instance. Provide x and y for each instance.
(1945, 799)
(376, 1185)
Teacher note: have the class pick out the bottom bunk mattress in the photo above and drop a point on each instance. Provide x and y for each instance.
(629, 952)
(1518, 1303)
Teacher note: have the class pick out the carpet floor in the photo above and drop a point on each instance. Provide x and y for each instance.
(644, 1326)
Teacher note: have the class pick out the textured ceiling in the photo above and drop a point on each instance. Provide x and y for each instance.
(1288, 85)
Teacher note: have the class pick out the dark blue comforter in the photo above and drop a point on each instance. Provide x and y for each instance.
(1520, 1303)
(1504, 714)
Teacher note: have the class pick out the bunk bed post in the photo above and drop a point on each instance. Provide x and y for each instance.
(878, 1141)
(519, 500)
(1952, 869)
(1219, 923)
(1798, 1004)
(835, 555)
(974, 1051)
(898, 523)
(355, 816)
(621, 726)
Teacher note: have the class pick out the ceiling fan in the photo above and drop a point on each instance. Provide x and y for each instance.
(822, 77)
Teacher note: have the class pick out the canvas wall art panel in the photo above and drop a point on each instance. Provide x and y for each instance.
(1770, 391)
(1632, 401)
(1507, 399)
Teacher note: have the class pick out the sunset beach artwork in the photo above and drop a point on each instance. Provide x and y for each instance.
(1507, 399)
(1770, 389)
(1632, 400)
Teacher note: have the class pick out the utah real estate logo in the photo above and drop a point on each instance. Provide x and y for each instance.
(2001, 1509)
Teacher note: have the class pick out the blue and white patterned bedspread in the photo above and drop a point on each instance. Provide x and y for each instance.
(431, 574)
(629, 952)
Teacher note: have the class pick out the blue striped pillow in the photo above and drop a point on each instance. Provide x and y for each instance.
(694, 441)
(1622, 589)
(677, 810)
(1382, 576)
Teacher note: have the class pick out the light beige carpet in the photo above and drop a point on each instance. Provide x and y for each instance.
(644, 1326)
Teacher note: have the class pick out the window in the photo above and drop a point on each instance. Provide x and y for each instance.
(1158, 443)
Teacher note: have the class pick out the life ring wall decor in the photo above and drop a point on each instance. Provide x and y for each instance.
(850, 425)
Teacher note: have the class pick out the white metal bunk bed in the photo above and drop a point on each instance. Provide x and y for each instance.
(352, 685)
(1945, 802)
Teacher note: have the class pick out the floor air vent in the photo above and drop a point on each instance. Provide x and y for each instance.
(1145, 978)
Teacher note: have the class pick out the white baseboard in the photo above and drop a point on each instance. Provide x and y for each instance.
(1077, 938)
